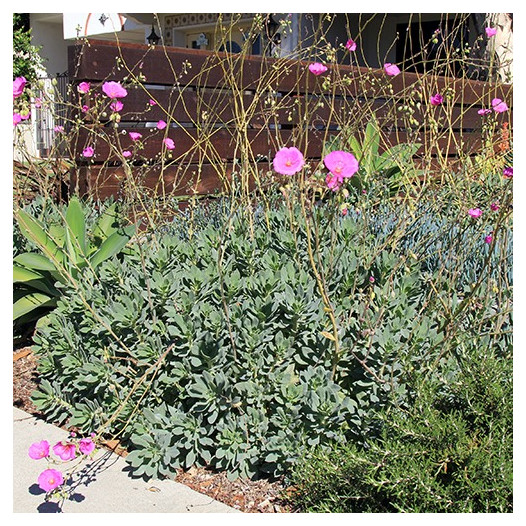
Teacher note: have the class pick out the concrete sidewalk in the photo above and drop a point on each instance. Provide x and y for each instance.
(104, 486)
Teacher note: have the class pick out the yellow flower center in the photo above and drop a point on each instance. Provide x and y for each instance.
(288, 162)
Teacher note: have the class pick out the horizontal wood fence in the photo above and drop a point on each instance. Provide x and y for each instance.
(228, 114)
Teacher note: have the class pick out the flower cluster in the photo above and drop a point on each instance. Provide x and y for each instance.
(341, 165)
(50, 479)
(19, 85)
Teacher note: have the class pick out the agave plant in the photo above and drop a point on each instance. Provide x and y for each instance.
(66, 250)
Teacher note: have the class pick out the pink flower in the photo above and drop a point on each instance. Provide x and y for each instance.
(371, 279)
(18, 86)
(475, 212)
(485, 111)
(342, 164)
(350, 45)
(39, 450)
(334, 182)
(65, 450)
(86, 446)
(85, 109)
(499, 106)
(494, 206)
(83, 87)
(317, 69)
(17, 118)
(38, 102)
(135, 136)
(169, 143)
(491, 31)
(50, 479)
(288, 161)
(116, 105)
(344, 211)
(161, 125)
(114, 90)
(508, 172)
(58, 129)
(391, 69)
(488, 239)
(151, 102)
(126, 153)
(436, 99)
(88, 151)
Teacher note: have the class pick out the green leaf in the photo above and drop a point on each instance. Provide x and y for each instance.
(22, 274)
(31, 302)
(112, 245)
(33, 231)
(34, 261)
(76, 226)
(107, 223)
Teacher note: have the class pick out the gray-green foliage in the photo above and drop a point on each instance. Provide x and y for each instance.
(213, 350)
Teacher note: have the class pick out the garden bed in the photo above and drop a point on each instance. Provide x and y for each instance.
(248, 496)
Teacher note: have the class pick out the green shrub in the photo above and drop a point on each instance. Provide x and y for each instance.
(216, 348)
(451, 450)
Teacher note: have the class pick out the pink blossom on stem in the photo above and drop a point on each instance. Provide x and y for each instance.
(58, 129)
(83, 87)
(488, 239)
(135, 136)
(494, 206)
(288, 161)
(333, 182)
(350, 45)
(38, 102)
(391, 69)
(475, 212)
(342, 164)
(436, 99)
(17, 118)
(508, 172)
(169, 143)
(85, 108)
(151, 102)
(491, 31)
(18, 86)
(50, 479)
(317, 69)
(39, 450)
(116, 105)
(88, 152)
(499, 106)
(65, 450)
(126, 153)
(161, 125)
(484, 111)
(86, 446)
(114, 90)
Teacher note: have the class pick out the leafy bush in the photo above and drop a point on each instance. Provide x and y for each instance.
(218, 350)
(450, 451)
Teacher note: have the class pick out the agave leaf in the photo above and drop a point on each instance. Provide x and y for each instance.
(34, 261)
(107, 223)
(76, 224)
(30, 302)
(112, 245)
(22, 274)
(33, 231)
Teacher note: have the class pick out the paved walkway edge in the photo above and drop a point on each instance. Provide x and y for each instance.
(105, 485)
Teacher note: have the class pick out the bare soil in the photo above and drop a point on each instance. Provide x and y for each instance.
(260, 496)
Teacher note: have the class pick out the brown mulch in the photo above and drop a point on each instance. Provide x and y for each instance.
(248, 496)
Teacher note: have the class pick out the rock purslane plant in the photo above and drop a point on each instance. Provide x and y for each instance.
(218, 351)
